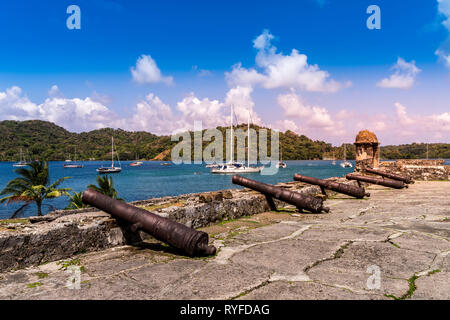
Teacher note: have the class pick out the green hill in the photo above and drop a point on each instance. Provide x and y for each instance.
(45, 140)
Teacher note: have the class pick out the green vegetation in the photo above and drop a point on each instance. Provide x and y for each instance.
(407, 295)
(6, 221)
(33, 185)
(75, 202)
(34, 284)
(74, 262)
(41, 275)
(433, 271)
(105, 186)
(416, 151)
(45, 140)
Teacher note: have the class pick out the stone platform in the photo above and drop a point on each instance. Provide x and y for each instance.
(403, 234)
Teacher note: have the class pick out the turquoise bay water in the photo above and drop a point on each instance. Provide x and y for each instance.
(152, 180)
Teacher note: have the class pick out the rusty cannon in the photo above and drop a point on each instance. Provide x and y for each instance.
(301, 201)
(190, 241)
(390, 175)
(354, 191)
(382, 182)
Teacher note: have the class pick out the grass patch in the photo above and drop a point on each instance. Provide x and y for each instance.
(412, 288)
(433, 271)
(163, 206)
(394, 244)
(7, 221)
(41, 275)
(34, 284)
(74, 262)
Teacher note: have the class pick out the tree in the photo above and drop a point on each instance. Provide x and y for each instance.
(33, 185)
(105, 186)
(75, 202)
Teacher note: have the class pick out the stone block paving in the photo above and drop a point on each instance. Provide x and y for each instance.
(393, 245)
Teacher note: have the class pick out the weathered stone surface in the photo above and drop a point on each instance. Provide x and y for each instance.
(274, 255)
(417, 169)
(62, 234)
(307, 290)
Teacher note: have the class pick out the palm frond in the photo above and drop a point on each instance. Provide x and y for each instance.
(18, 211)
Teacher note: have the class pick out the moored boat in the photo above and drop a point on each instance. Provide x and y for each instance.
(112, 169)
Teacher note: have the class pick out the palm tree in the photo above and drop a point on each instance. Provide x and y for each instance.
(33, 185)
(75, 202)
(105, 186)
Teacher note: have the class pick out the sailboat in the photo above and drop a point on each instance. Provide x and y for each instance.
(22, 162)
(74, 164)
(111, 169)
(136, 163)
(280, 163)
(346, 164)
(236, 167)
(334, 160)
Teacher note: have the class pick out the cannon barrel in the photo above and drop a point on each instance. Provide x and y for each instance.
(191, 241)
(301, 201)
(354, 191)
(390, 175)
(382, 182)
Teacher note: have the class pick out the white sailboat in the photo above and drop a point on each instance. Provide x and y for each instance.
(74, 164)
(22, 162)
(346, 164)
(111, 169)
(236, 167)
(280, 163)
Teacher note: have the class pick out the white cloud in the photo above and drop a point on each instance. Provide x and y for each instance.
(282, 71)
(312, 116)
(284, 125)
(54, 91)
(444, 57)
(421, 124)
(403, 77)
(240, 98)
(73, 114)
(150, 114)
(210, 112)
(444, 10)
(147, 71)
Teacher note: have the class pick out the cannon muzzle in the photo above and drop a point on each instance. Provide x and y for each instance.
(192, 242)
(299, 200)
(382, 182)
(390, 175)
(357, 192)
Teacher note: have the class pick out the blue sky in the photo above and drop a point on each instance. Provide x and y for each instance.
(196, 46)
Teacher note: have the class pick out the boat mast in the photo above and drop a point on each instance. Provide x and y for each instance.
(112, 152)
(231, 134)
(345, 153)
(248, 139)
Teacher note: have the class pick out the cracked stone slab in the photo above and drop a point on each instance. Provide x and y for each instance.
(434, 286)
(350, 269)
(306, 256)
(286, 257)
(345, 232)
(216, 281)
(306, 291)
(422, 242)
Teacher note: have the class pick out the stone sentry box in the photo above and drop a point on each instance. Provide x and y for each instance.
(367, 150)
